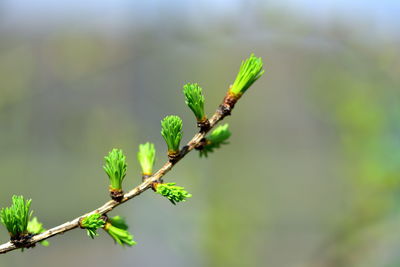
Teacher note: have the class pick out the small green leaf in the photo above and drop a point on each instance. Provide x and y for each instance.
(146, 157)
(217, 138)
(35, 227)
(173, 193)
(91, 223)
(119, 222)
(171, 130)
(195, 100)
(16, 217)
(115, 168)
(249, 72)
(117, 229)
(45, 243)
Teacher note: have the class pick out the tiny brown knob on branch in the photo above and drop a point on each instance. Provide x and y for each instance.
(22, 241)
(204, 125)
(228, 103)
(173, 157)
(117, 194)
(203, 142)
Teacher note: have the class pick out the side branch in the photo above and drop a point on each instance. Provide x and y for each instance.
(224, 110)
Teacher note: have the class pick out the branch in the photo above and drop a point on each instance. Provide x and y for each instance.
(110, 205)
(249, 72)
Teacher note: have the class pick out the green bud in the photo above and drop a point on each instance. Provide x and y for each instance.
(173, 193)
(16, 217)
(91, 223)
(195, 100)
(249, 72)
(217, 138)
(117, 229)
(146, 157)
(115, 168)
(118, 222)
(171, 130)
(35, 227)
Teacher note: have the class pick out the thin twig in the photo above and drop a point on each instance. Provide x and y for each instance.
(110, 205)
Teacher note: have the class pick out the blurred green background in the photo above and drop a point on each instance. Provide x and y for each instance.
(311, 175)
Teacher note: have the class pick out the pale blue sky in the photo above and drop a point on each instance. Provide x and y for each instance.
(384, 13)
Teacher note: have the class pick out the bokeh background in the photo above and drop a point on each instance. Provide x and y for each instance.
(310, 178)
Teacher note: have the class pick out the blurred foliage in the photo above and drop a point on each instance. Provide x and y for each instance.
(361, 100)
